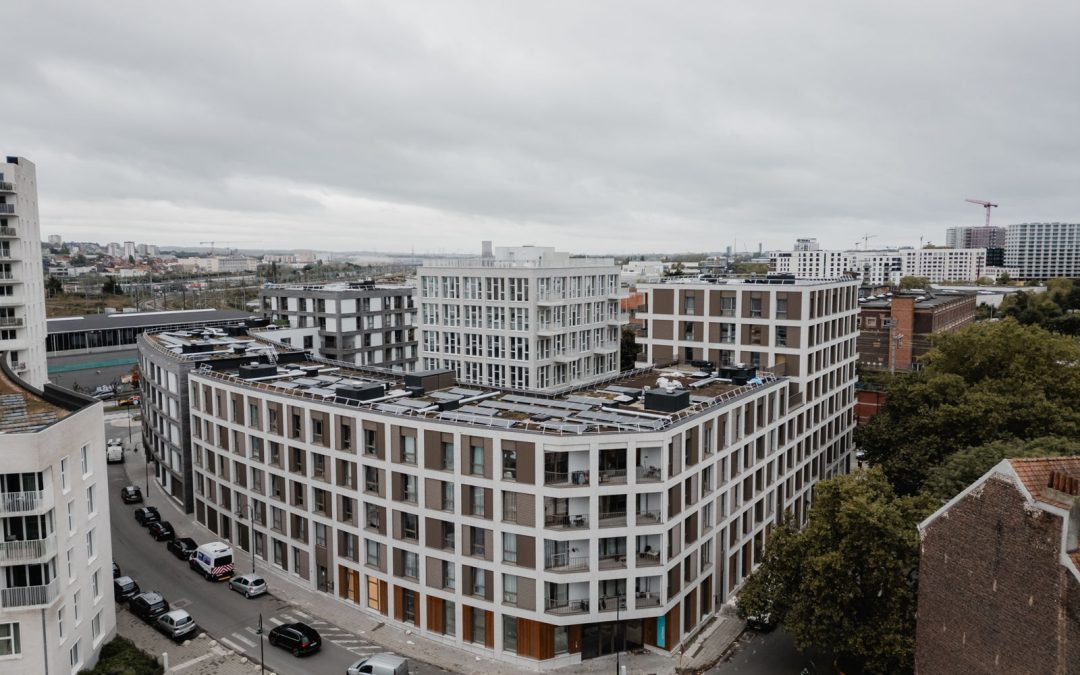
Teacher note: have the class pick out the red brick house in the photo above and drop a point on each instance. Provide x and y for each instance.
(999, 574)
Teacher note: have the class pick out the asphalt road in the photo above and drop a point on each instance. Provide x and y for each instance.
(772, 653)
(223, 614)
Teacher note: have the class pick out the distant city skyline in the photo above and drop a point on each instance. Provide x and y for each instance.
(598, 128)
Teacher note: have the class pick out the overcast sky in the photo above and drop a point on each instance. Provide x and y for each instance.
(590, 126)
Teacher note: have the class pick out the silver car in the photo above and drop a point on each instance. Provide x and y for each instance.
(379, 664)
(248, 584)
(176, 624)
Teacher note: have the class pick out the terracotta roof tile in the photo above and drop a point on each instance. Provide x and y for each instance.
(1035, 472)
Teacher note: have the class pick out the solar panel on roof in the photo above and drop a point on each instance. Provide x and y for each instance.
(307, 382)
(320, 391)
(412, 403)
(477, 410)
(587, 400)
(465, 392)
(477, 419)
(391, 408)
(445, 396)
(615, 389)
(565, 426)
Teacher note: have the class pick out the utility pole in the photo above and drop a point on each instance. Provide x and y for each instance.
(262, 656)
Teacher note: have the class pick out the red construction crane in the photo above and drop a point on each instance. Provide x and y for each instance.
(985, 205)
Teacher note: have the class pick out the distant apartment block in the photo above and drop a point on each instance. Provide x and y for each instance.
(364, 323)
(982, 236)
(895, 330)
(22, 289)
(56, 599)
(874, 268)
(999, 573)
(1043, 250)
(529, 318)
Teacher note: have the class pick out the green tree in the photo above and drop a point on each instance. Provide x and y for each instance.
(1004, 279)
(112, 287)
(844, 583)
(53, 286)
(743, 268)
(988, 382)
(79, 260)
(914, 282)
(964, 467)
(628, 349)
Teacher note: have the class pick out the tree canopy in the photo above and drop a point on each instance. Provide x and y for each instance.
(844, 583)
(992, 381)
(964, 467)
(914, 282)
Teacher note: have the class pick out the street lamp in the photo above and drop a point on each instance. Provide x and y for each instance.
(619, 631)
(262, 657)
(251, 529)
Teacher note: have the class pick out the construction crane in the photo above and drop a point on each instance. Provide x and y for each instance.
(985, 205)
(865, 241)
(211, 246)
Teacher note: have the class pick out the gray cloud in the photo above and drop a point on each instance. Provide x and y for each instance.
(604, 126)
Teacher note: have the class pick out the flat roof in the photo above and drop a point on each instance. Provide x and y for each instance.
(23, 409)
(209, 343)
(613, 405)
(74, 324)
(778, 280)
(921, 302)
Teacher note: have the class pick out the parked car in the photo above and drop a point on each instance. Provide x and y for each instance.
(131, 494)
(299, 638)
(176, 624)
(115, 570)
(183, 547)
(161, 530)
(213, 560)
(380, 664)
(146, 515)
(114, 454)
(248, 584)
(148, 606)
(133, 400)
(124, 589)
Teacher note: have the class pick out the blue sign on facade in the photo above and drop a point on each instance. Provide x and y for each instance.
(660, 631)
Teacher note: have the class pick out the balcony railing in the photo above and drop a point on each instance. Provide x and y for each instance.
(648, 517)
(6, 186)
(646, 599)
(648, 559)
(566, 478)
(566, 521)
(613, 561)
(8, 232)
(568, 607)
(609, 603)
(564, 562)
(612, 518)
(10, 321)
(29, 596)
(648, 474)
(27, 551)
(7, 208)
(20, 502)
(612, 476)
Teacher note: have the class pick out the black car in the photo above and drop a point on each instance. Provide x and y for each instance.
(125, 588)
(148, 606)
(299, 638)
(131, 494)
(146, 515)
(182, 548)
(161, 530)
(115, 570)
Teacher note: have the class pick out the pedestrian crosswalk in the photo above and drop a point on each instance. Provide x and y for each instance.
(249, 635)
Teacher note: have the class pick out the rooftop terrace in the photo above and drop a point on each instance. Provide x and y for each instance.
(24, 410)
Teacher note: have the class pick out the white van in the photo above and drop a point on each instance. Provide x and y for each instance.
(213, 560)
(379, 664)
(114, 453)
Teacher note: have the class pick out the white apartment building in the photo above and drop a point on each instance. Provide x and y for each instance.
(22, 290)
(529, 318)
(56, 600)
(526, 528)
(1042, 250)
(876, 268)
(364, 323)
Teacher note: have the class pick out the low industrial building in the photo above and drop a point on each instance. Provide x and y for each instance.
(895, 329)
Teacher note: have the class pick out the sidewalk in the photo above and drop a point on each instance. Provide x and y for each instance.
(702, 653)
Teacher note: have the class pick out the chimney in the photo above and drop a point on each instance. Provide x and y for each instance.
(1067, 489)
(485, 249)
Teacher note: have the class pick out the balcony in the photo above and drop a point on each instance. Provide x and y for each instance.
(648, 517)
(21, 502)
(612, 476)
(7, 209)
(10, 321)
(648, 474)
(610, 603)
(8, 232)
(648, 559)
(27, 551)
(29, 596)
(613, 519)
(643, 599)
(566, 478)
(614, 561)
(563, 521)
(568, 607)
(566, 562)
(6, 186)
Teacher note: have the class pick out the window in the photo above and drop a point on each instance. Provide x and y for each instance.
(477, 501)
(410, 562)
(781, 336)
(509, 547)
(447, 456)
(479, 626)
(371, 515)
(64, 474)
(408, 488)
(75, 607)
(95, 626)
(510, 464)
(510, 626)
(408, 610)
(409, 525)
(369, 442)
(479, 583)
(71, 563)
(320, 535)
(84, 458)
(90, 506)
(447, 496)
(90, 552)
(95, 584)
(477, 541)
(372, 552)
(9, 639)
(477, 467)
(60, 623)
(408, 449)
(75, 655)
(373, 594)
(448, 575)
(509, 507)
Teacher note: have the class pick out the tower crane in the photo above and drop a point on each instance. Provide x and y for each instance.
(211, 246)
(985, 205)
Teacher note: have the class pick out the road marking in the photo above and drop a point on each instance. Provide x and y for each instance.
(251, 630)
(191, 662)
(289, 617)
(231, 645)
(243, 639)
(276, 621)
(304, 615)
(346, 642)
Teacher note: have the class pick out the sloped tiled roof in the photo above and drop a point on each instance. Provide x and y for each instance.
(1035, 474)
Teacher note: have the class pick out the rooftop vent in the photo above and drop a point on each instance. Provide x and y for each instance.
(738, 375)
(254, 371)
(196, 348)
(659, 400)
(360, 392)
(430, 380)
